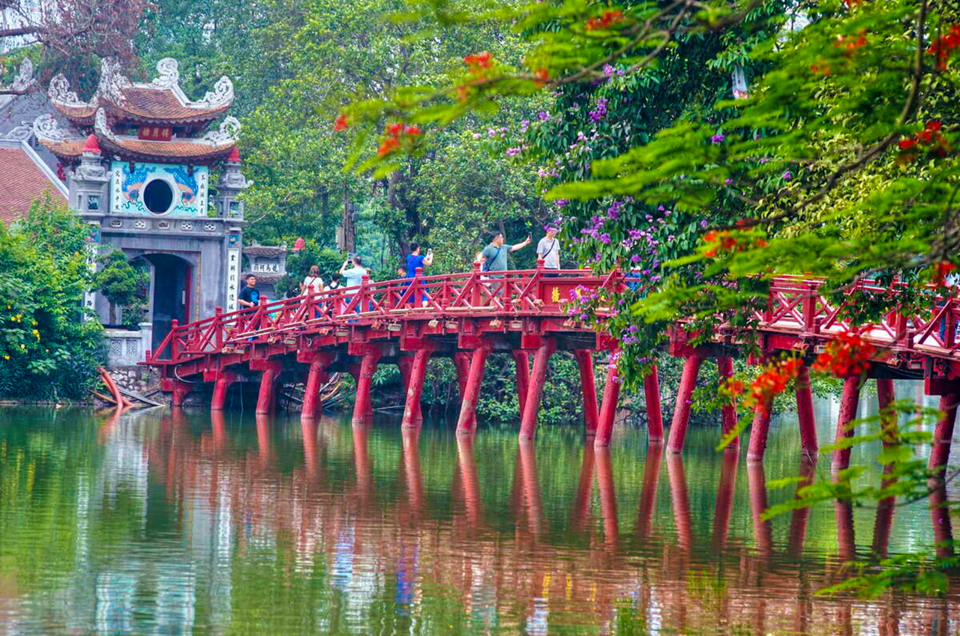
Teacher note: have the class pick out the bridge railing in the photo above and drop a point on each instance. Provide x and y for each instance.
(796, 305)
(516, 292)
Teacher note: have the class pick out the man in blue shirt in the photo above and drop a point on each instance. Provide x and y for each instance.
(414, 261)
(249, 296)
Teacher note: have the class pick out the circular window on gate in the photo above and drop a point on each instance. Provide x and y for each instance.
(158, 196)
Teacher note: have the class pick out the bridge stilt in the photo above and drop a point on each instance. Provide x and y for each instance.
(728, 412)
(808, 427)
(218, 401)
(725, 493)
(648, 491)
(591, 416)
(311, 393)
(681, 411)
(943, 432)
(531, 408)
(680, 500)
(405, 363)
(461, 361)
(762, 529)
(581, 500)
(471, 483)
(521, 360)
(467, 422)
(178, 392)
(411, 412)
(848, 413)
(608, 410)
(758, 433)
(267, 398)
(362, 405)
(608, 498)
(651, 393)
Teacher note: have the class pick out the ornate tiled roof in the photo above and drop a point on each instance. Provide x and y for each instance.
(23, 178)
(161, 101)
(267, 251)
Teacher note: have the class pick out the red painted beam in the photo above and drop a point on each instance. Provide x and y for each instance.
(528, 423)
(608, 410)
(411, 412)
(521, 361)
(681, 412)
(267, 398)
(591, 415)
(651, 392)
(467, 422)
(808, 427)
(848, 413)
(362, 405)
(728, 412)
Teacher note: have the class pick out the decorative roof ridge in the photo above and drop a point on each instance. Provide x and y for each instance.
(113, 84)
(226, 134)
(46, 128)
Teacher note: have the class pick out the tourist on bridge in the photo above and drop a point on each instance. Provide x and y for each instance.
(548, 249)
(353, 272)
(496, 253)
(415, 260)
(311, 286)
(249, 296)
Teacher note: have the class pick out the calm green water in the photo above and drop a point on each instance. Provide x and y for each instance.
(160, 523)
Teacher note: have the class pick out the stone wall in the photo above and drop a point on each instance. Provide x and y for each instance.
(139, 379)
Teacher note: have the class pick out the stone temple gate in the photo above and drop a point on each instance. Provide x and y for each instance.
(139, 159)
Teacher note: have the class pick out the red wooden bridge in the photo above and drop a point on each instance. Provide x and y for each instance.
(467, 316)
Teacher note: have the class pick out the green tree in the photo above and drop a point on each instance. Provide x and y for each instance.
(123, 285)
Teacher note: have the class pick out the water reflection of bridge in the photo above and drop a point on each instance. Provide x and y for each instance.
(638, 573)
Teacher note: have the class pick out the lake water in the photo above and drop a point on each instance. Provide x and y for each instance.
(160, 523)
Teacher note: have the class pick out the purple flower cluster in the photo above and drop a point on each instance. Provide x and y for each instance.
(718, 138)
(599, 111)
(544, 115)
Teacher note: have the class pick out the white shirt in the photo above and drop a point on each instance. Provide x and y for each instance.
(549, 251)
(312, 284)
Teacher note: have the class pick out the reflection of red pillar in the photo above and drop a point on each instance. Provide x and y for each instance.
(411, 412)
(311, 392)
(725, 492)
(471, 483)
(589, 388)
(467, 422)
(757, 483)
(651, 393)
(808, 427)
(885, 508)
(362, 405)
(521, 361)
(361, 462)
(219, 399)
(848, 413)
(799, 516)
(267, 398)
(581, 502)
(648, 492)
(531, 486)
(943, 432)
(843, 512)
(680, 498)
(308, 429)
(608, 410)
(219, 428)
(759, 431)
(728, 411)
(411, 463)
(681, 411)
(531, 408)
(608, 497)
(263, 438)
(461, 362)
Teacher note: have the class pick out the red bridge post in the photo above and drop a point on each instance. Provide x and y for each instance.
(411, 412)
(728, 410)
(521, 360)
(681, 412)
(362, 406)
(608, 410)
(461, 361)
(848, 413)
(651, 393)
(759, 429)
(943, 432)
(808, 428)
(528, 423)
(405, 363)
(316, 376)
(467, 422)
(220, 389)
(591, 415)
(267, 398)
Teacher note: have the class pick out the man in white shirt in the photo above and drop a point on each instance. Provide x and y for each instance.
(548, 249)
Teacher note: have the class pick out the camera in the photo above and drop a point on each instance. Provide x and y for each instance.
(352, 256)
